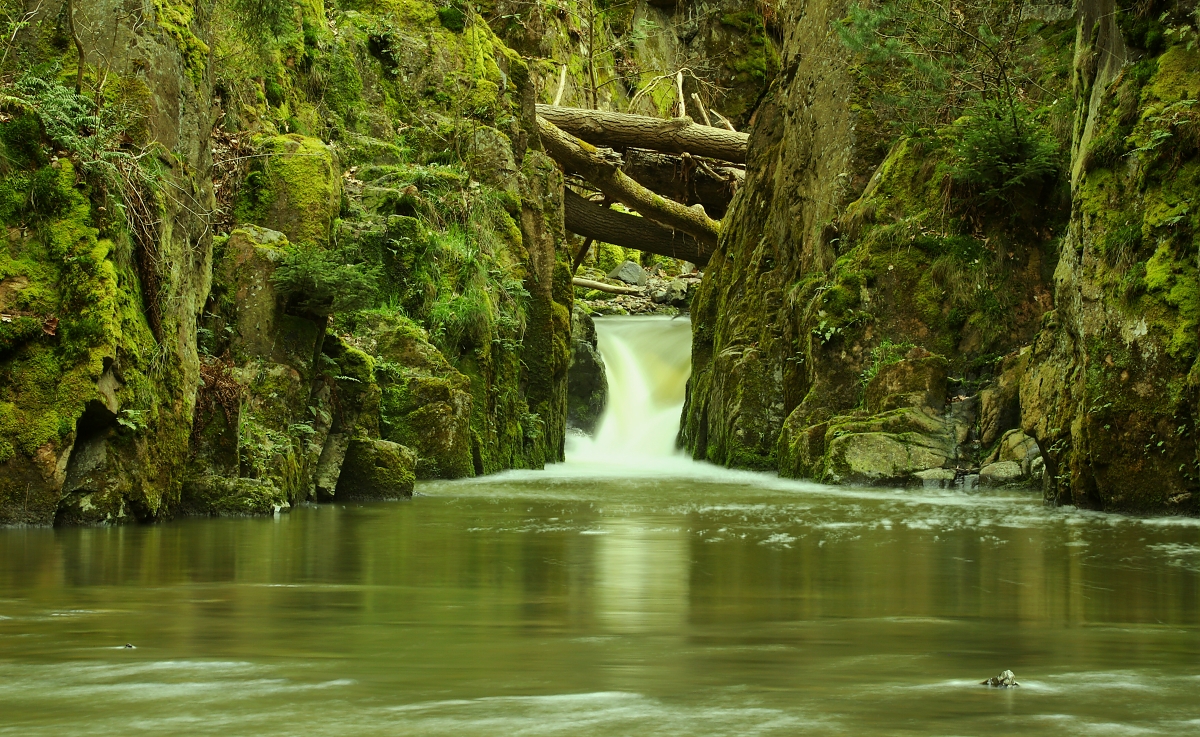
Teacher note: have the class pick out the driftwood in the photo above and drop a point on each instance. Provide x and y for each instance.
(685, 179)
(602, 287)
(630, 231)
(583, 159)
(622, 130)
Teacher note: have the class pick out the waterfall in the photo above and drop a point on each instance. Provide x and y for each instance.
(647, 360)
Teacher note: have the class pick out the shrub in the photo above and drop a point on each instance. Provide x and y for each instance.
(1003, 160)
(322, 282)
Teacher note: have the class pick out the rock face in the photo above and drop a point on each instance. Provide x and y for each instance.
(1113, 389)
(141, 377)
(1074, 325)
(587, 383)
(98, 370)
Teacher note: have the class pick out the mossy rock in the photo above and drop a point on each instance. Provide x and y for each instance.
(294, 187)
(232, 497)
(376, 469)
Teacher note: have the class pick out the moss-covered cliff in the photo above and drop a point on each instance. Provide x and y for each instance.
(1034, 236)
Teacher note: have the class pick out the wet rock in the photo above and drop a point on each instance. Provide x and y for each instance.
(630, 273)
(1037, 469)
(917, 381)
(1019, 447)
(676, 293)
(587, 383)
(936, 478)
(970, 482)
(1001, 473)
(425, 402)
(376, 469)
(1005, 679)
(232, 497)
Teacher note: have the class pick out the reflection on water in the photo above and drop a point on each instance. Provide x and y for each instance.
(628, 591)
(721, 603)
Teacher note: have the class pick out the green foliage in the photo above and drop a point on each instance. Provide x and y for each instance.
(1003, 161)
(882, 355)
(263, 20)
(452, 18)
(322, 282)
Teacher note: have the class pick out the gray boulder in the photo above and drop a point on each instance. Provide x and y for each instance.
(1000, 473)
(1005, 679)
(630, 273)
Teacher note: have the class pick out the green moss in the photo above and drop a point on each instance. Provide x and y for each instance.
(175, 19)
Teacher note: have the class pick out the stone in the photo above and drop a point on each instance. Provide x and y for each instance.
(936, 478)
(970, 482)
(587, 382)
(425, 402)
(919, 381)
(1037, 468)
(329, 466)
(1001, 473)
(296, 189)
(1005, 679)
(1019, 447)
(630, 273)
(676, 293)
(376, 469)
(232, 497)
(880, 458)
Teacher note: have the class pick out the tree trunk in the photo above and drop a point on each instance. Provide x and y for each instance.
(622, 130)
(577, 156)
(686, 180)
(629, 231)
(602, 287)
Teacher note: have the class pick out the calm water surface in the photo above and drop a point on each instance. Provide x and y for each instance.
(649, 598)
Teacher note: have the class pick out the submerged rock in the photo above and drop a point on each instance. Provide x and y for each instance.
(1005, 679)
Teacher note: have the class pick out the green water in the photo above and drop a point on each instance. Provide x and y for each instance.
(699, 602)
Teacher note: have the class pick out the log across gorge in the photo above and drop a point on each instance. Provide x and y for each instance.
(683, 161)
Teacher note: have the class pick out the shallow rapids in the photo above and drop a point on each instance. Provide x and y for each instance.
(629, 591)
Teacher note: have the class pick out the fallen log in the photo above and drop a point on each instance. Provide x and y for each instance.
(583, 159)
(600, 286)
(622, 130)
(685, 179)
(630, 231)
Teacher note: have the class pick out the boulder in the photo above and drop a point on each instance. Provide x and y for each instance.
(425, 402)
(676, 293)
(1005, 679)
(936, 478)
(879, 458)
(630, 273)
(376, 469)
(294, 187)
(919, 380)
(232, 497)
(1019, 447)
(587, 383)
(1001, 473)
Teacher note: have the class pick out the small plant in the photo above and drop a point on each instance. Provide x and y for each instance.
(321, 282)
(882, 355)
(1002, 159)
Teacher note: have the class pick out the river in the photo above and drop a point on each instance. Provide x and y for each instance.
(629, 591)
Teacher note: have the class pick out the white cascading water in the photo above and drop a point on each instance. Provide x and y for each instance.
(647, 360)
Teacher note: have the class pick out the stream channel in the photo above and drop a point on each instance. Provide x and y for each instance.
(628, 591)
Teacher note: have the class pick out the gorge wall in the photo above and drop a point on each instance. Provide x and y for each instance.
(263, 253)
(897, 300)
